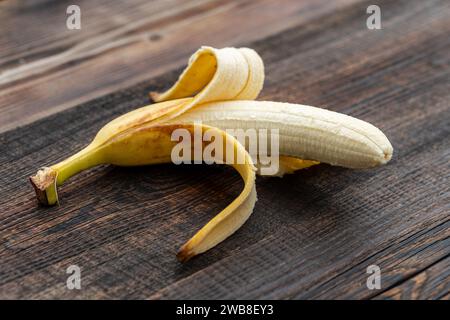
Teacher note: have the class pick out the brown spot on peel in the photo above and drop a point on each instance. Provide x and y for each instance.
(185, 253)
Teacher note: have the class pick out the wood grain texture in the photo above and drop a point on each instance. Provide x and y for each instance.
(431, 283)
(312, 234)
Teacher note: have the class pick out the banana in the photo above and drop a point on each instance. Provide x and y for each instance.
(217, 89)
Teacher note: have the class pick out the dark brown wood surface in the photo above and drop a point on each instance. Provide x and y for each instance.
(312, 234)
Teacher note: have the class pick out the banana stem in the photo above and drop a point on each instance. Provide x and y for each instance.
(84, 159)
(46, 180)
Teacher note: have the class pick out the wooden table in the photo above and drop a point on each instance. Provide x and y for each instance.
(312, 235)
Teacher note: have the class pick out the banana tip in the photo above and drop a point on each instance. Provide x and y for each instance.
(154, 95)
(185, 254)
(387, 153)
(387, 157)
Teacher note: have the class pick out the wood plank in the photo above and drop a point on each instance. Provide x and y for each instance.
(120, 45)
(312, 234)
(400, 264)
(432, 283)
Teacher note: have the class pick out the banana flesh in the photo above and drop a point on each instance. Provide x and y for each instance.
(217, 89)
(305, 132)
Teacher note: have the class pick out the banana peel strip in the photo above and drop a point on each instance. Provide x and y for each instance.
(230, 219)
(216, 75)
(235, 214)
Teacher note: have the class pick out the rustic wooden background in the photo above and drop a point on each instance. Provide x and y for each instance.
(312, 234)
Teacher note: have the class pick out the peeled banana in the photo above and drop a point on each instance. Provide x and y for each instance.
(216, 92)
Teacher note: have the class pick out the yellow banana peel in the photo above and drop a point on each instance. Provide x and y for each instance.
(217, 89)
